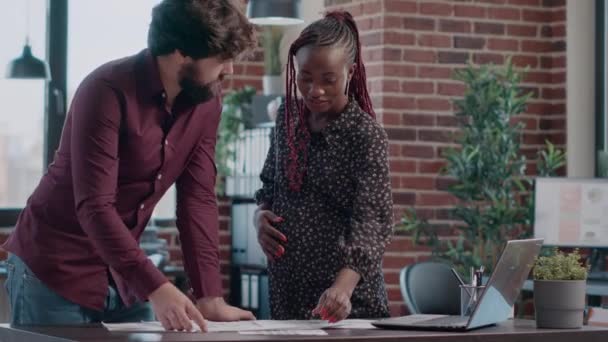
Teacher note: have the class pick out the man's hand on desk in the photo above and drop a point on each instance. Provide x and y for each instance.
(216, 309)
(175, 310)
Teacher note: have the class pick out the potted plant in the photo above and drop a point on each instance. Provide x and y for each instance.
(272, 80)
(559, 290)
(487, 172)
(236, 116)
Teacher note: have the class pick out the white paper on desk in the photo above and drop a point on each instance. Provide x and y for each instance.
(309, 332)
(140, 327)
(238, 326)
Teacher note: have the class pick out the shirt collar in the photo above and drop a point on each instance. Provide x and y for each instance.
(345, 122)
(148, 76)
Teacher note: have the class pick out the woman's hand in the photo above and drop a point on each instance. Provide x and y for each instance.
(334, 305)
(270, 238)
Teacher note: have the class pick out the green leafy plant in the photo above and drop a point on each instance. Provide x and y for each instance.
(488, 171)
(272, 42)
(560, 266)
(236, 116)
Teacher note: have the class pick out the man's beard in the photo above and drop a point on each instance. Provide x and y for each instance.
(196, 92)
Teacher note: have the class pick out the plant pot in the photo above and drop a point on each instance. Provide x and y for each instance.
(559, 304)
(273, 85)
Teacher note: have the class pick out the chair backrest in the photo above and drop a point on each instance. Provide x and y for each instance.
(430, 288)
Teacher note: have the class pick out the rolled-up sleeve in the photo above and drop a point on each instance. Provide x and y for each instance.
(198, 217)
(371, 223)
(96, 118)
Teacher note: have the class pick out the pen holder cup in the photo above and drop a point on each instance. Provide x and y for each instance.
(469, 296)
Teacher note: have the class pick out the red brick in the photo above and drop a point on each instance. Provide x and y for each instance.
(503, 44)
(435, 8)
(525, 61)
(465, 42)
(434, 72)
(496, 2)
(448, 121)
(537, 46)
(438, 199)
(404, 198)
(419, 56)
(537, 77)
(398, 102)
(400, 244)
(389, 22)
(431, 166)
(399, 70)
(450, 57)
(558, 46)
(418, 183)
(558, 31)
(555, 62)
(391, 54)
(522, 30)
(539, 16)
(417, 87)
(394, 150)
(391, 277)
(525, 2)
(554, 93)
(397, 262)
(444, 183)
(405, 134)
(469, 11)
(420, 24)
(391, 119)
(372, 7)
(558, 16)
(403, 166)
(371, 39)
(552, 124)
(435, 40)
(539, 108)
(433, 104)
(418, 120)
(504, 13)
(434, 135)
(489, 28)
(400, 6)
(554, 3)
(418, 151)
(451, 89)
(558, 77)
(487, 58)
(446, 25)
(385, 85)
(399, 38)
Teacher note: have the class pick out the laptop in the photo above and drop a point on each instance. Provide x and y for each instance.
(496, 302)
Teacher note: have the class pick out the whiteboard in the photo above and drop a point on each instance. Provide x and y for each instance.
(571, 212)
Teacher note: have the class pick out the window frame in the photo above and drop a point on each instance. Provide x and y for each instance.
(55, 91)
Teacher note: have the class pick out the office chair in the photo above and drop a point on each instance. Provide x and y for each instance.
(430, 288)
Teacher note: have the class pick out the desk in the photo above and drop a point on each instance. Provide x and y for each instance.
(510, 331)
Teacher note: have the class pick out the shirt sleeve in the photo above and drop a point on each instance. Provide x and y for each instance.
(96, 118)
(371, 224)
(265, 195)
(198, 217)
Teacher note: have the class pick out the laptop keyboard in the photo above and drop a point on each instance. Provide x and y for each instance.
(446, 321)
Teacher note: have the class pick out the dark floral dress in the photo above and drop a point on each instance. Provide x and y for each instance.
(341, 217)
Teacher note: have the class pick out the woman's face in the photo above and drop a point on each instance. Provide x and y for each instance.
(323, 73)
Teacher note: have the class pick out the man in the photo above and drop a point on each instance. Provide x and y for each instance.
(136, 126)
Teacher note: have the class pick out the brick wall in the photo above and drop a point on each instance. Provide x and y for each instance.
(411, 49)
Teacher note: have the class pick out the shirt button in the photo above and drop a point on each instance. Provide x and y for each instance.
(159, 176)
(142, 206)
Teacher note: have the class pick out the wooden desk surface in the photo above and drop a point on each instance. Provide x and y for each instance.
(510, 331)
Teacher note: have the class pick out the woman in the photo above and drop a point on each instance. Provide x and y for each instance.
(325, 209)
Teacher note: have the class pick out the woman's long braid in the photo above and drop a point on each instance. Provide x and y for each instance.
(338, 28)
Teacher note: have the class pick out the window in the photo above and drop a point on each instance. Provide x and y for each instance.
(23, 103)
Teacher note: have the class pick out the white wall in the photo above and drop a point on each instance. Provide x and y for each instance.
(580, 92)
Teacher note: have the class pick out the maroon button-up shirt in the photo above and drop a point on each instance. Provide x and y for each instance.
(113, 165)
